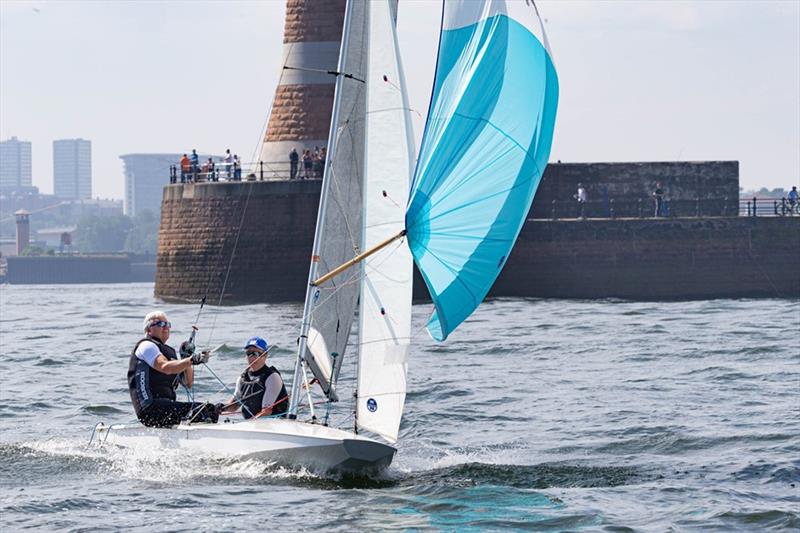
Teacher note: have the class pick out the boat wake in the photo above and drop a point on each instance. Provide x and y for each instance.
(488, 467)
(56, 458)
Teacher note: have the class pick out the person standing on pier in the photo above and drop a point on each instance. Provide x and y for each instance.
(307, 163)
(294, 159)
(581, 197)
(186, 168)
(658, 195)
(195, 159)
(228, 160)
(237, 168)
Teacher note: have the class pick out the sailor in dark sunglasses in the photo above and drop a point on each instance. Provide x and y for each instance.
(154, 372)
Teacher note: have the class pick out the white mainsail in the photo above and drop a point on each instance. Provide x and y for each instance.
(385, 304)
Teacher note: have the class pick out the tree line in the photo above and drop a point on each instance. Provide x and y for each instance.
(117, 233)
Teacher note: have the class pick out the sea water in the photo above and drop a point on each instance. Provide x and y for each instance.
(548, 415)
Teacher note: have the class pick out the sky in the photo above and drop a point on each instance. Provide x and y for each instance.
(639, 81)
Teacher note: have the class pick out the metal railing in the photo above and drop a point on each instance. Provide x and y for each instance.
(768, 207)
(646, 208)
(256, 171)
(635, 208)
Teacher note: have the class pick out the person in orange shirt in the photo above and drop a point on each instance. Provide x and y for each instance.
(186, 167)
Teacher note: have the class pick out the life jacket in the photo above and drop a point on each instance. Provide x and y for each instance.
(252, 392)
(147, 384)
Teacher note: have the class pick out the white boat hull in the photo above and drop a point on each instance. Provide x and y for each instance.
(285, 442)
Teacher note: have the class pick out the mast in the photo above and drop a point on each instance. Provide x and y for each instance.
(300, 367)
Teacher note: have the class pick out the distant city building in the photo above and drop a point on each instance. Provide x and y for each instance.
(54, 237)
(15, 164)
(145, 177)
(72, 168)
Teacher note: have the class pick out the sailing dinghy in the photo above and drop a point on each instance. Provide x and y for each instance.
(485, 146)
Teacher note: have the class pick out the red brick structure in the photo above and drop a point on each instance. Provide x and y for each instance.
(301, 109)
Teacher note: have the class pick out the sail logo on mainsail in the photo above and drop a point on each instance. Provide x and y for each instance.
(372, 405)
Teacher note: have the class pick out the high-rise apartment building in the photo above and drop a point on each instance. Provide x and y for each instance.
(72, 168)
(15, 164)
(145, 177)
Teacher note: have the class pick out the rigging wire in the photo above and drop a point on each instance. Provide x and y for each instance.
(230, 263)
(265, 125)
(259, 143)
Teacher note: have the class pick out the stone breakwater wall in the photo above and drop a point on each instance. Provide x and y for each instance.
(640, 259)
(630, 186)
(257, 234)
(655, 259)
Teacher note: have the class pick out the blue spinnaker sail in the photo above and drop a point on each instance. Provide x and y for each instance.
(486, 143)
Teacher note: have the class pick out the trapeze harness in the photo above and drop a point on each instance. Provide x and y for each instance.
(252, 392)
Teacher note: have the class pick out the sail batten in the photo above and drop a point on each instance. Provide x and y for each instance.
(486, 143)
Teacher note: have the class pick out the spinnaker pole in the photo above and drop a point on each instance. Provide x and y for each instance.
(357, 259)
(300, 366)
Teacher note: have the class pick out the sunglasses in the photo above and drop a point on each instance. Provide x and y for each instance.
(160, 324)
(253, 354)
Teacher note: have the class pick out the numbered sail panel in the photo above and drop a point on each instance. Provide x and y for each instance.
(334, 303)
(385, 304)
(486, 143)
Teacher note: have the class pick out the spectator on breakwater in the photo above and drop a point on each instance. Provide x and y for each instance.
(294, 159)
(658, 196)
(186, 168)
(195, 163)
(308, 162)
(209, 170)
(317, 165)
(237, 168)
(581, 197)
(792, 197)
(322, 156)
(228, 160)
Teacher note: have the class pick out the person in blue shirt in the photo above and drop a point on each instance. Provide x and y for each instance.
(195, 160)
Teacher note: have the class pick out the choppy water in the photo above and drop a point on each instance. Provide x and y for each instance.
(546, 415)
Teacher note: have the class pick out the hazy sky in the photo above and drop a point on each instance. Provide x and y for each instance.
(645, 80)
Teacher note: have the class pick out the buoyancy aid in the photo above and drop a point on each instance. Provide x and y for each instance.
(252, 392)
(147, 384)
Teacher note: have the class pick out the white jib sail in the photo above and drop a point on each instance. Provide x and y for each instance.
(333, 304)
(385, 303)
